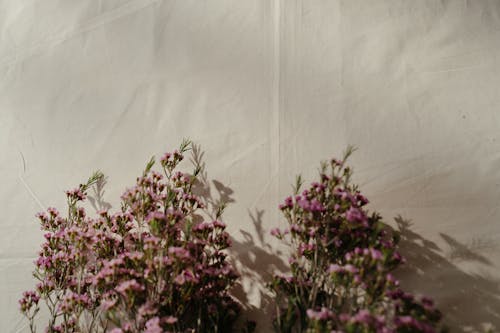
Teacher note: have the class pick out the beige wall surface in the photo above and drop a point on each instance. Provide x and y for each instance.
(268, 88)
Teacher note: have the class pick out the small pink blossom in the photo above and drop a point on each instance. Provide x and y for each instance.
(153, 326)
(323, 314)
(171, 320)
(276, 232)
(179, 252)
(376, 254)
(350, 268)
(334, 268)
(355, 215)
(129, 286)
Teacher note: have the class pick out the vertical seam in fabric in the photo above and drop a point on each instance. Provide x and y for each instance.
(276, 92)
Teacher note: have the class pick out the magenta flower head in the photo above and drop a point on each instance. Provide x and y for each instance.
(179, 252)
(76, 194)
(363, 316)
(334, 268)
(355, 215)
(129, 286)
(29, 300)
(376, 254)
(323, 314)
(165, 158)
(153, 326)
(316, 206)
(276, 232)
(171, 320)
(350, 268)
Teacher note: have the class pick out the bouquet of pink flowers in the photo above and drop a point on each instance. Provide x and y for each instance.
(157, 265)
(341, 262)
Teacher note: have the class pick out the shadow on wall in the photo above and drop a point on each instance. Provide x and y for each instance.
(257, 262)
(254, 259)
(470, 302)
(96, 199)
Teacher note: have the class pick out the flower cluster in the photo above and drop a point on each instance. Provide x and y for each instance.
(341, 262)
(157, 265)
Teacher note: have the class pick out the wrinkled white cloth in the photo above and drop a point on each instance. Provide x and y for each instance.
(269, 89)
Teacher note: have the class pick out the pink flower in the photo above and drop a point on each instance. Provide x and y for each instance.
(53, 211)
(186, 276)
(180, 252)
(276, 232)
(323, 314)
(203, 226)
(361, 199)
(355, 215)
(376, 254)
(364, 317)
(316, 206)
(76, 194)
(219, 224)
(304, 204)
(108, 304)
(396, 256)
(166, 157)
(390, 278)
(334, 268)
(180, 279)
(153, 326)
(344, 317)
(156, 215)
(427, 302)
(350, 268)
(30, 298)
(42, 216)
(190, 277)
(129, 286)
(303, 248)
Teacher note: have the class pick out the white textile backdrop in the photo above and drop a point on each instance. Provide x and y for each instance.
(269, 88)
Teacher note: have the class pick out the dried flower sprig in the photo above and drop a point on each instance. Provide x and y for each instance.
(341, 262)
(156, 265)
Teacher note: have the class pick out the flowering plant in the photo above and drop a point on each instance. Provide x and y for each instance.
(157, 265)
(341, 262)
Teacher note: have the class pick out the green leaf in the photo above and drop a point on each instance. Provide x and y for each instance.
(149, 166)
(185, 145)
